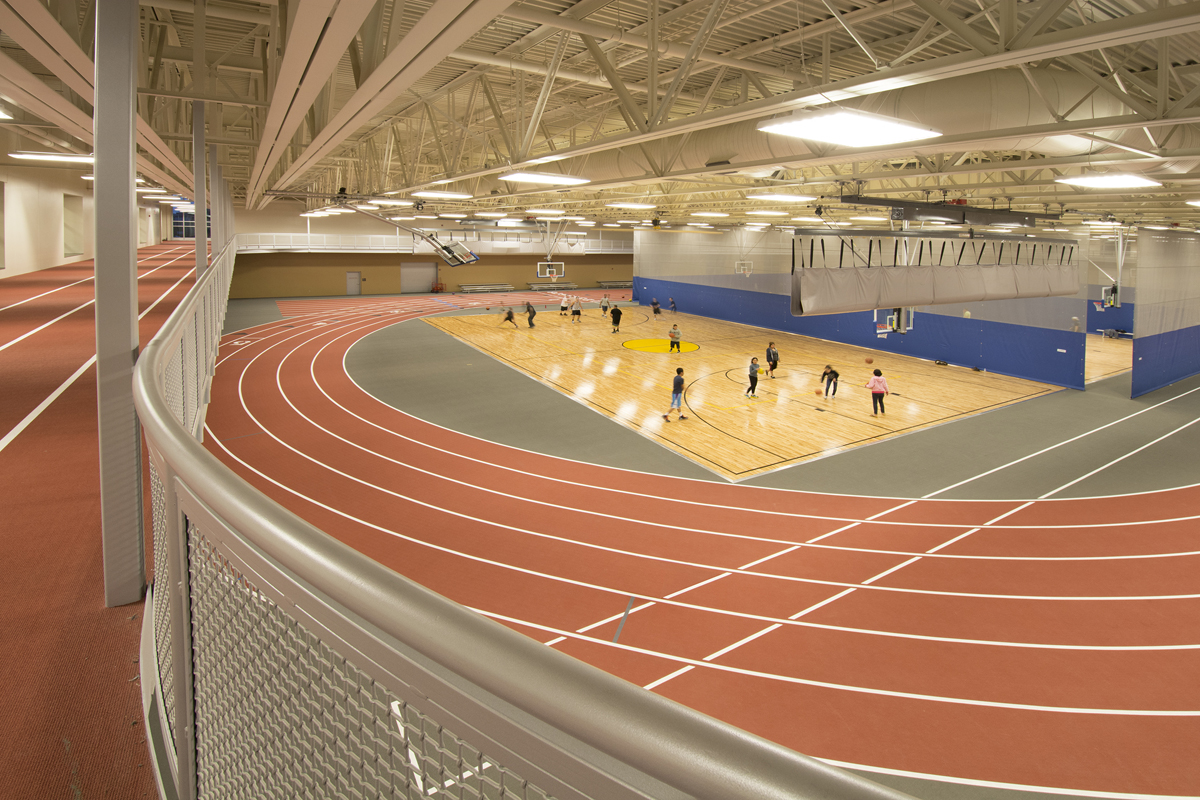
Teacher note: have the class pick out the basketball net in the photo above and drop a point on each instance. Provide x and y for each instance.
(552, 274)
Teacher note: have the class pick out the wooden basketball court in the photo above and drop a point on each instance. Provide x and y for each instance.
(1107, 357)
(628, 376)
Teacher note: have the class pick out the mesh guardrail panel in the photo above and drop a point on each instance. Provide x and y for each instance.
(280, 714)
(173, 384)
(162, 598)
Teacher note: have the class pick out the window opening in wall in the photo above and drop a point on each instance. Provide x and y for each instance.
(72, 225)
(183, 224)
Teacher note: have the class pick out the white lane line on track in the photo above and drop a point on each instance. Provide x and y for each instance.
(1044, 450)
(724, 612)
(42, 406)
(76, 283)
(63, 316)
(700, 663)
(1122, 458)
(1022, 787)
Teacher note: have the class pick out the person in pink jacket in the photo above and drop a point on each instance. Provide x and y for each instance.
(878, 387)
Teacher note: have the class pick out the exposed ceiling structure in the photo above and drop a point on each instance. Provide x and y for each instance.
(655, 102)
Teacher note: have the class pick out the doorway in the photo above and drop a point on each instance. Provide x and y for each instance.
(417, 277)
(353, 283)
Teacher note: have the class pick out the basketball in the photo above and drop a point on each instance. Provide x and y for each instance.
(870, 361)
(818, 392)
(489, 308)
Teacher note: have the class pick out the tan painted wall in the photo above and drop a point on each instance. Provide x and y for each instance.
(323, 274)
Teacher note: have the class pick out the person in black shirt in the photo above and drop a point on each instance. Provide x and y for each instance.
(529, 310)
(654, 307)
(831, 378)
(508, 317)
(616, 318)
(676, 396)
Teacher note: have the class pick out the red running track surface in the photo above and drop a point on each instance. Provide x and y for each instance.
(1028, 644)
(72, 719)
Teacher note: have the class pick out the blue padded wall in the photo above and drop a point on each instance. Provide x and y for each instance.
(1164, 359)
(1039, 354)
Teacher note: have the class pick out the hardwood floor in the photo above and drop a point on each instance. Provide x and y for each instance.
(627, 377)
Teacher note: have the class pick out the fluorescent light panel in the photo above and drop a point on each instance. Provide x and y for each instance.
(544, 211)
(781, 198)
(71, 158)
(443, 195)
(1109, 181)
(631, 205)
(552, 178)
(847, 127)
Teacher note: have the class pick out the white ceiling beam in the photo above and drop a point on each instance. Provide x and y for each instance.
(615, 37)
(318, 39)
(444, 27)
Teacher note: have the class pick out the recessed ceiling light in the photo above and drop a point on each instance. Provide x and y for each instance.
(762, 213)
(630, 205)
(553, 178)
(71, 158)
(456, 215)
(587, 224)
(1109, 181)
(367, 207)
(424, 216)
(709, 214)
(443, 195)
(847, 127)
(544, 211)
(401, 219)
(781, 198)
(611, 225)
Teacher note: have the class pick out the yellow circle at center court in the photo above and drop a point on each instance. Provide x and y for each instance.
(659, 345)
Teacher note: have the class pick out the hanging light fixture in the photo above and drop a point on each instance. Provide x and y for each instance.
(1109, 180)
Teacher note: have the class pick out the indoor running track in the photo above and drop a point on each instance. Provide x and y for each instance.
(1049, 644)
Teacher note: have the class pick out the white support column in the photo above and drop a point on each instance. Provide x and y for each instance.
(199, 74)
(116, 302)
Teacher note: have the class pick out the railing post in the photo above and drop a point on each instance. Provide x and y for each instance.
(184, 730)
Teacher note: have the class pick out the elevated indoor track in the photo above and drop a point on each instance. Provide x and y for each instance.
(1039, 643)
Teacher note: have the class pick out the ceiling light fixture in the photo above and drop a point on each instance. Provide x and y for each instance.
(367, 207)
(709, 214)
(546, 159)
(443, 195)
(70, 158)
(1194, 203)
(392, 202)
(847, 127)
(1116, 180)
(763, 213)
(492, 214)
(424, 216)
(544, 211)
(781, 198)
(869, 219)
(552, 178)
(1102, 223)
(455, 215)
(4, 114)
(630, 205)
(807, 219)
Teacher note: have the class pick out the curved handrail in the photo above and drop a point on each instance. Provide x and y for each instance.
(689, 752)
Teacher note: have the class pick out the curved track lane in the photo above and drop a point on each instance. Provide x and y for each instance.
(1046, 643)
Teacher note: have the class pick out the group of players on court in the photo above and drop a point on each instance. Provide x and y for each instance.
(573, 307)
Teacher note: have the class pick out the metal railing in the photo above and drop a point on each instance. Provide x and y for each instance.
(481, 242)
(279, 662)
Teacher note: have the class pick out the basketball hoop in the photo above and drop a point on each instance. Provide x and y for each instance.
(743, 267)
(552, 274)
